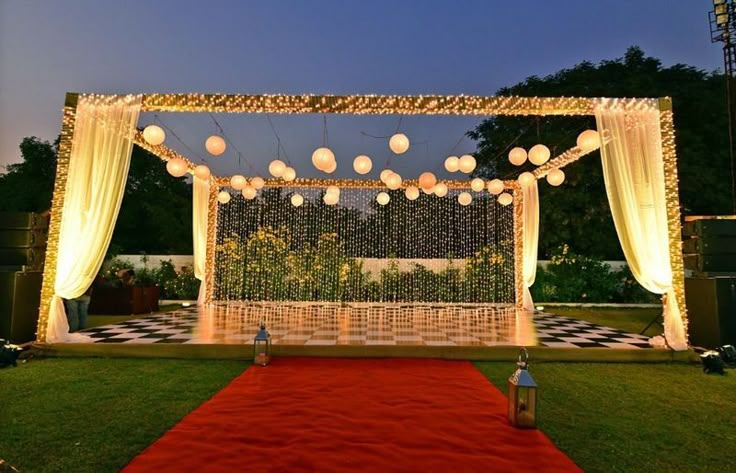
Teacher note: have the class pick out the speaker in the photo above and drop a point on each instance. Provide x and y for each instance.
(31, 257)
(701, 226)
(711, 307)
(710, 263)
(710, 245)
(23, 221)
(20, 298)
(23, 238)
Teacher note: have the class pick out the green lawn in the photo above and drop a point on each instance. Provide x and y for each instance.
(94, 415)
(631, 320)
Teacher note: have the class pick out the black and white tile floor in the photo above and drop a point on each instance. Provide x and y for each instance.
(366, 324)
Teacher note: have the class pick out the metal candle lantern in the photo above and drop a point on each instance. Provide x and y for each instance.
(523, 395)
(262, 346)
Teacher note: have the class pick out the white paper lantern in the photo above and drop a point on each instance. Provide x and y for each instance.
(384, 174)
(440, 190)
(289, 174)
(399, 143)
(297, 200)
(452, 164)
(517, 156)
(467, 163)
(539, 154)
(154, 135)
(177, 167)
(322, 158)
(526, 178)
(505, 198)
(223, 197)
(202, 172)
(427, 180)
(496, 186)
(331, 199)
(362, 164)
(382, 198)
(332, 168)
(555, 177)
(277, 168)
(393, 181)
(589, 140)
(477, 184)
(412, 193)
(333, 190)
(249, 192)
(257, 183)
(428, 190)
(238, 182)
(215, 145)
(464, 198)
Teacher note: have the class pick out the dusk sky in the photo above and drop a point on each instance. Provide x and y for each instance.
(320, 47)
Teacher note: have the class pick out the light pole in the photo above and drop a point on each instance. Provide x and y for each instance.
(723, 30)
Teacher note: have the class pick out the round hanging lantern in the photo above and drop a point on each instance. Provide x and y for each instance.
(215, 145)
(464, 198)
(505, 198)
(440, 190)
(331, 198)
(526, 178)
(539, 154)
(496, 186)
(249, 192)
(223, 197)
(277, 168)
(362, 164)
(177, 167)
(382, 198)
(202, 172)
(384, 174)
(238, 182)
(555, 177)
(427, 180)
(297, 200)
(257, 183)
(477, 184)
(332, 168)
(393, 181)
(333, 190)
(289, 174)
(322, 158)
(517, 156)
(588, 140)
(399, 143)
(452, 164)
(154, 135)
(412, 193)
(467, 163)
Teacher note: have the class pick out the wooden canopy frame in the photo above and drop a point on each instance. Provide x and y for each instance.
(371, 105)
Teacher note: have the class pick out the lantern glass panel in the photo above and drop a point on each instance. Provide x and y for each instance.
(262, 352)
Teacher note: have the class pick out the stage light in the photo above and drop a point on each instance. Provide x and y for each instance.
(467, 163)
(496, 186)
(277, 168)
(202, 172)
(362, 164)
(399, 143)
(215, 145)
(539, 154)
(154, 135)
(517, 156)
(452, 164)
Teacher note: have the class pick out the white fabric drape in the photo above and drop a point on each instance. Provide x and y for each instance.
(200, 208)
(530, 231)
(98, 169)
(633, 170)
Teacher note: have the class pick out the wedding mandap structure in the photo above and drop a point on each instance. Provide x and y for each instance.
(250, 250)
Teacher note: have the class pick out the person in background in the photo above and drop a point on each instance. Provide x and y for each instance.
(76, 310)
(125, 278)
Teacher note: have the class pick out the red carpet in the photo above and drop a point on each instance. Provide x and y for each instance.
(353, 415)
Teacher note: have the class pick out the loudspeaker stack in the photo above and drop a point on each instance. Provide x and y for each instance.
(23, 238)
(709, 248)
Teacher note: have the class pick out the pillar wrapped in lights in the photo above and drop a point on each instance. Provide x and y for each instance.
(399, 143)
(452, 164)
(467, 163)
(477, 184)
(517, 156)
(362, 164)
(177, 167)
(495, 186)
(276, 168)
(238, 182)
(262, 346)
(154, 135)
(539, 154)
(223, 197)
(215, 145)
(522, 394)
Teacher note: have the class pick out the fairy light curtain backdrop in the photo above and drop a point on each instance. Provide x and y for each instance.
(397, 239)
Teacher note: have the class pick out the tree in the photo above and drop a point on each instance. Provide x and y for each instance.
(577, 213)
(27, 186)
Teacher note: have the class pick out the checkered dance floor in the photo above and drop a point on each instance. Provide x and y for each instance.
(366, 324)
